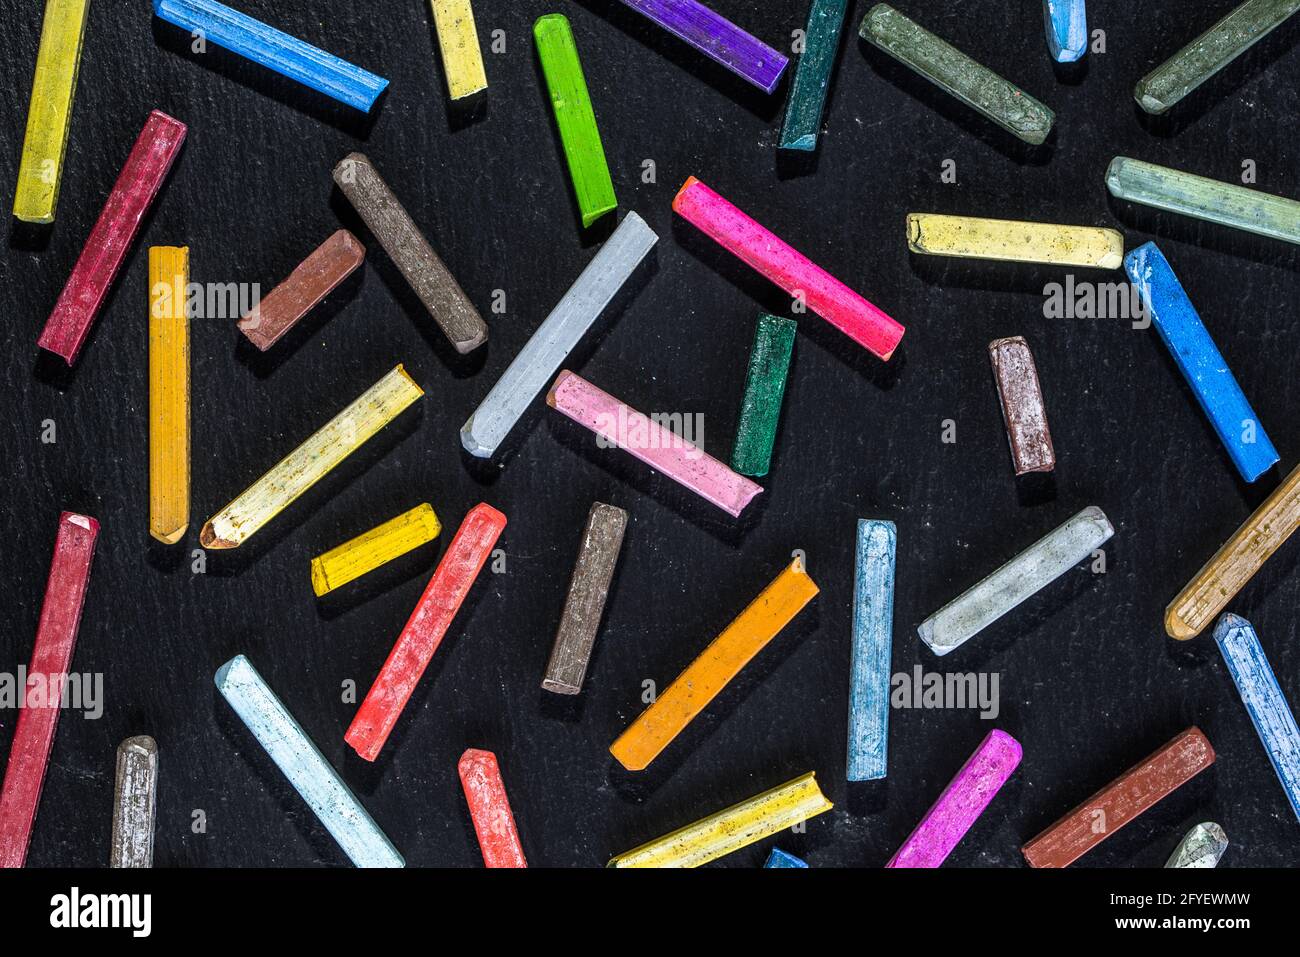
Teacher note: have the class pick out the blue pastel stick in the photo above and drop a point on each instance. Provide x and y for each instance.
(1067, 29)
(303, 764)
(779, 858)
(873, 647)
(1265, 703)
(268, 46)
(1202, 364)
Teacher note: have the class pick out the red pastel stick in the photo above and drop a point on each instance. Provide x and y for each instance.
(56, 637)
(765, 252)
(442, 598)
(490, 808)
(146, 167)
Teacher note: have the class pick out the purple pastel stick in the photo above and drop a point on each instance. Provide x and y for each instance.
(962, 801)
(718, 38)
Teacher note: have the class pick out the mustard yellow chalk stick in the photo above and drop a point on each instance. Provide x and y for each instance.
(462, 59)
(1236, 562)
(369, 550)
(708, 674)
(169, 393)
(933, 234)
(310, 462)
(738, 826)
(49, 113)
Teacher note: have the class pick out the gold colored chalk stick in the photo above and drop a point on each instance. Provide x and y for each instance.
(169, 392)
(369, 550)
(733, 828)
(933, 234)
(1236, 562)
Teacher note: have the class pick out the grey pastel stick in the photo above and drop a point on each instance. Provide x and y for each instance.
(388, 220)
(1033, 569)
(588, 589)
(540, 359)
(134, 797)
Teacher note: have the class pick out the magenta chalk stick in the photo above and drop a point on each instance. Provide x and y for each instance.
(763, 251)
(961, 803)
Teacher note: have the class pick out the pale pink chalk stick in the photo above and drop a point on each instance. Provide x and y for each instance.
(647, 440)
(794, 272)
(961, 803)
(494, 823)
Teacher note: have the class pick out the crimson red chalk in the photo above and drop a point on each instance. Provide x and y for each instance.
(442, 598)
(56, 637)
(106, 249)
(494, 824)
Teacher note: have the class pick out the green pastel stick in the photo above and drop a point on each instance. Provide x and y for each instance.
(1224, 203)
(575, 117)
(1209, 53)
(769, 362)
(812, 79)
(954, 72)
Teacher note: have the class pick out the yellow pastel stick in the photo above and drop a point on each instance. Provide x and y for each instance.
(49, 113)
(310, 462)
(169, 392)
(462, 60)
(369, 550)
(933, 234)
(1236, 562)
(738, 826)
(708, 674)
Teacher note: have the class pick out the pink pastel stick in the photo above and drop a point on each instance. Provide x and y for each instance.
(650, 442)
(110, 240)
(961, 803)
(794, 272)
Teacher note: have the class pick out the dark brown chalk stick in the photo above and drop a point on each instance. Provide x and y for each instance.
(410, 251)
(587, 591)
(1136, 790)
(313, 279)
(1022, 405)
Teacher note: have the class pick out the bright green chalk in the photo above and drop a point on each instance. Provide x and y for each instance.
(948, 68)
(1225, 203)
(1209, 53)
(769, 361)
(575, 117)
(812, 79)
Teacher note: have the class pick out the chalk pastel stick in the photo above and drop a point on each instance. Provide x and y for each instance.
(1200, 362)
(961, 803)
(780, 859)
(873, 646)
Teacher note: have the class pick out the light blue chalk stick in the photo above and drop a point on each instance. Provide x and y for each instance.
(873, 647)
(264, 44)
(1264, 701)
(1200, 361)
(1067, 29)
(303, 764)
(779, 858)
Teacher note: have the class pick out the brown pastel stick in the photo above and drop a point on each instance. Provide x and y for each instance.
(315, 278)
(1022, 405)
(388, 220)
(588, 589)
(1136, 790)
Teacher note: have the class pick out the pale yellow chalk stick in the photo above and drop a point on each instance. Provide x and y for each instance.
(933, 234)
(462, 59)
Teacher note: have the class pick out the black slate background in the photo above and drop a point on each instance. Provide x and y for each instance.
(1089, 681)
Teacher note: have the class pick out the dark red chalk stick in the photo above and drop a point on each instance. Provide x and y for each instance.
(485, 792)
(442, 598)
(1136, 790)
(146, 167)
(56, 637)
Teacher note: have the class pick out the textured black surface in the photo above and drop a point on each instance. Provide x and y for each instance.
(1089, 681)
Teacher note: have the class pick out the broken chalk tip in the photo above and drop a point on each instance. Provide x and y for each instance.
(965, 798)
(1066, 22)
(263, 44)
(1202, 847)
(1205, 370)
(1265, 702)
